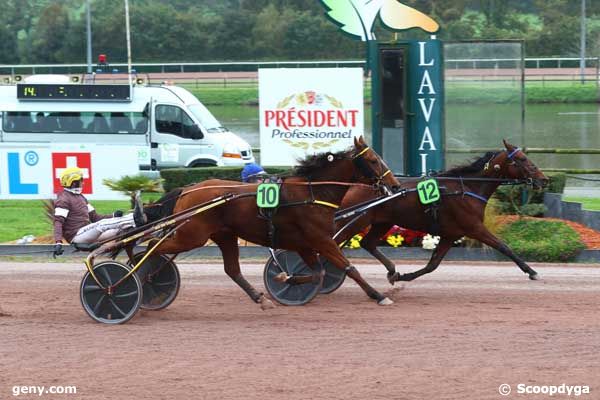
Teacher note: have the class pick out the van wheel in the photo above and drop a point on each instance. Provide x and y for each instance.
(202, 164)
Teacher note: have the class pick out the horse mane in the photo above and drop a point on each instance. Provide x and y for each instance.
(315, 163)
(472, 168)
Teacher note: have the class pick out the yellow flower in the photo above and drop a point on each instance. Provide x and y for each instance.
(395, 240)
(354, 243)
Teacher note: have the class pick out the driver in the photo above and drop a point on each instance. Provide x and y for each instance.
(77, 221)
(252, 173)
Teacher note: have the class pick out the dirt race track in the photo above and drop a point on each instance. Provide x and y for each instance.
(456, 334)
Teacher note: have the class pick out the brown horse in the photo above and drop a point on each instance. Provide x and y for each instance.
(465, 191)
(302, 223)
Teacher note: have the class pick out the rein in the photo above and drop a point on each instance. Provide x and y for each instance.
(321, 183)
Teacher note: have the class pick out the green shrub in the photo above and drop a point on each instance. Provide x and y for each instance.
(178, 177)
(519, 200)
(523, 200)
(557, 183)
(542, 240)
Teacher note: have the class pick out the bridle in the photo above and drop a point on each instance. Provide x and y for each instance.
(361, 164)
(515, 161)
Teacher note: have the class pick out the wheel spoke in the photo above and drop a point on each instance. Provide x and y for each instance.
(149, 289)
(128, 294)
(173, 282)
(104, 271)
(91, 288)
(277, 266)
(283, 291)
(116, 307)
(156, 270)
(98, 304)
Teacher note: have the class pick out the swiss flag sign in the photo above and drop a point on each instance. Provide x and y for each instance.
(61, 161)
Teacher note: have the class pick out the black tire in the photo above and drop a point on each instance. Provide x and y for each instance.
(202, 164)
(121, 304)
(334, 277)
(160, 281)
(291, 294)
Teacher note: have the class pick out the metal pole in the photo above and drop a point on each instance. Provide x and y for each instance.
(88, 15)
(128, 41)
(582, 45)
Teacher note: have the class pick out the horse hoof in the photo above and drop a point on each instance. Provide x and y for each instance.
(385, 302)
(265, 304)
(392, 278)
(281, 277)
(534, 276)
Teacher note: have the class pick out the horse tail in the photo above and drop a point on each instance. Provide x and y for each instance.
(162, 207)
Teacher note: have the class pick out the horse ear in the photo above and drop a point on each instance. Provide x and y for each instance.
(507, 145)
(361, 140)
(356, 142)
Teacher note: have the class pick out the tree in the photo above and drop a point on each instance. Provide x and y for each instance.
(130, 185)
(50, 34)
(8, 47)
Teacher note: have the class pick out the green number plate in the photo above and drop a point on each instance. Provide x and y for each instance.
(267, 195)
(429, 191)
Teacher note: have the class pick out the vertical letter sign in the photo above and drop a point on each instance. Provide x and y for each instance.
(426, 96)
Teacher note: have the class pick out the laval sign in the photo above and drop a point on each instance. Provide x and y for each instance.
(308, 111)
(409, 123)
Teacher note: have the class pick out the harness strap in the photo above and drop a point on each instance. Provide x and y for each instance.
(475, 195)
(325, 203)
(362, 152)
(512, 153)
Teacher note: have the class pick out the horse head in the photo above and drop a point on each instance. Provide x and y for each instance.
(372, 167)
(514, 164)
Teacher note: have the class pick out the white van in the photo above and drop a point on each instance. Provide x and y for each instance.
(167, 124)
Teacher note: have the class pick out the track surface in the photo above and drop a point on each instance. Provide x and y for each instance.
(456, 334)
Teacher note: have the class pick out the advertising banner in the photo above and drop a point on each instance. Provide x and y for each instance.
(33, 171)
(308, 111)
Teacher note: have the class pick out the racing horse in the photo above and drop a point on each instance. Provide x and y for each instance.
(465, 191)
(303, 222)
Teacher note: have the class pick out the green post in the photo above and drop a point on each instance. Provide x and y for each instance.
(426, 144)
(424, 115)
(373, 65)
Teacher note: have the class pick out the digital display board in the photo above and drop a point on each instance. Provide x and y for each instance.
(73, 92)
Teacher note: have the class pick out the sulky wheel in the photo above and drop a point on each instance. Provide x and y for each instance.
(115, 304)
(334, 277)
(160, 281)
(291, 293)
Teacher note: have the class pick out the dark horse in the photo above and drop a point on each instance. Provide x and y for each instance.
(460, 211)
(302, 223)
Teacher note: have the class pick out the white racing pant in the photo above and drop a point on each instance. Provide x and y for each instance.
(103, 229)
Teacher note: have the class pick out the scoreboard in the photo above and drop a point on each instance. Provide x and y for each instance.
(73, 92)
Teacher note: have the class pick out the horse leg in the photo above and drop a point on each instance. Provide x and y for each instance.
(332, 252)
(312, 260)
(436, 258)
(227, 242)
(486, 237)
(369, 243)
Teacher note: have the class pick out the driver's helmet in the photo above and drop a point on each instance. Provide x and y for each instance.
(71, 175)
(251, 172)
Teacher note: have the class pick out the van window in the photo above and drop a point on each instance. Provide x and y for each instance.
(75, 122)
(173, 120)
(207, 120)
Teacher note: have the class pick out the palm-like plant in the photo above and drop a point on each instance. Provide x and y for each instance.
(129, 185)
